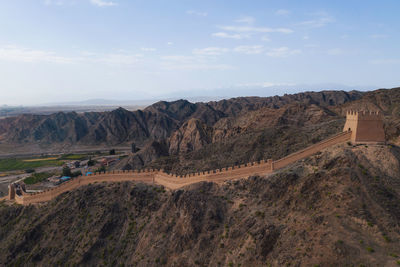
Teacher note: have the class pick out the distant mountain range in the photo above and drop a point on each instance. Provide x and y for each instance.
(231, 130)
(215, 94)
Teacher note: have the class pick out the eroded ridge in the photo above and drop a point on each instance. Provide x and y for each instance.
(18, 194)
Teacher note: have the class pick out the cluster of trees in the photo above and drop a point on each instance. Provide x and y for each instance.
(66, 171)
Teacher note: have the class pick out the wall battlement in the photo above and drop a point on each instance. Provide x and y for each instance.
(366, 126)
(174, 181)
(364, 115)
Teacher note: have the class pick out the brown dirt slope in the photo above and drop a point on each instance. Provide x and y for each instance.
(338, 208)
(156, 122)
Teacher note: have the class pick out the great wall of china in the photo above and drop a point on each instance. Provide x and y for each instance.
(173, 181)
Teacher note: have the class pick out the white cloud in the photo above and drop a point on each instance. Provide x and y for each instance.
(170, 43)
(197, 13)
(102, 3)
(320, 20)
(255, 29)
(196, 62)
(177, 58)
(211, 51)
(14, 53)
(119, 59)
(236, 36)
(282, 12)
(148, 49)
(246, 20)
(249, 49)
(282, 52)
(25, 55)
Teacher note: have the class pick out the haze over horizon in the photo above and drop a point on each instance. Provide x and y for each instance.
(54, 51)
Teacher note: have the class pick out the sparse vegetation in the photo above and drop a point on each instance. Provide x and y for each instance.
(74, 157)
(66, 171)
(102, 168)
(260, 214)
(386, 238)
(37, 178)
(29, 170)
(91, 162)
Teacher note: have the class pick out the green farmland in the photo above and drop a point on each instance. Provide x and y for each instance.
(37, 178)
(12, 164)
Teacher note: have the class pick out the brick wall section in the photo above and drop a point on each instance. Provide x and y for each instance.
(117, 176)
(231, 173)
(173, 181)
(340, 138)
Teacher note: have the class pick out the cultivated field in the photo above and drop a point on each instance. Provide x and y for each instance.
(11, 164)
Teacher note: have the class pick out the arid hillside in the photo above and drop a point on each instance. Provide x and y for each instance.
(182, 137)
(340, 207)
(157, 122)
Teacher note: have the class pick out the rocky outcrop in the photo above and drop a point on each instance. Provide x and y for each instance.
(192, 135)
(156, 122)
(150, 152)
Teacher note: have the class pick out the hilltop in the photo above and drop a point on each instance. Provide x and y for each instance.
(339, 207)
(181, 136)
(157, 122)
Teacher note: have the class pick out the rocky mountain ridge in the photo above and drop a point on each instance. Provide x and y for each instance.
(157, 121)
(179, 135)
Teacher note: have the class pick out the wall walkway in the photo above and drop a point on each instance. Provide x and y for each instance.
(172, 181)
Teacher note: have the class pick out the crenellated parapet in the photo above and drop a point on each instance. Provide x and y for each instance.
(364, 115)
(174, 181)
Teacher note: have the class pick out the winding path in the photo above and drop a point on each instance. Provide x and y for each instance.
(174, 181)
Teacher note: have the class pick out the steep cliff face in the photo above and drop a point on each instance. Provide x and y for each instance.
(192, 135)
(110, 128)
(54, 128)
(340, 207)
(156, 122)
(120, 126)
(149, 153)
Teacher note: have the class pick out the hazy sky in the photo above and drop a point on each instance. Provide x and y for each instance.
(63, 50)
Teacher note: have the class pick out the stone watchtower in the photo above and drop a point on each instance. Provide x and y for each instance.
(11, 191)
(365, 126)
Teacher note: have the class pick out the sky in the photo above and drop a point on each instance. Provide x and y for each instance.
(74, 50)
